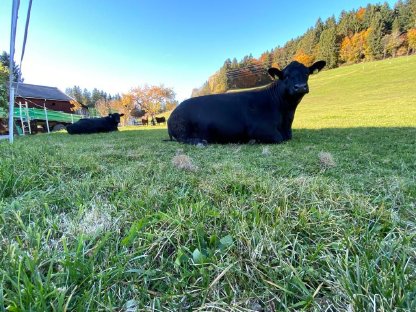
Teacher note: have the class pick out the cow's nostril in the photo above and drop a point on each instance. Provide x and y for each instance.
(301, 88)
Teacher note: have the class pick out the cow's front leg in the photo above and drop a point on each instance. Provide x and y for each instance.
(286, 134)
(267, 136)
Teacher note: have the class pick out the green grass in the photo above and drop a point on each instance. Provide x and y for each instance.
(108, 222)
(376, 94)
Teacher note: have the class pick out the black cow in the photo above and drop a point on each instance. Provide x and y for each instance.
(264, 115)
(160, 120)
(94, 125)
(145, 121)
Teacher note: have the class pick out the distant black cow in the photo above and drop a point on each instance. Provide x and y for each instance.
(94, 125)
(160, 120)
(264, 115)
(145, 121)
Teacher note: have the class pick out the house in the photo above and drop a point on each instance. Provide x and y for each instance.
(51, 98)
(42, 96)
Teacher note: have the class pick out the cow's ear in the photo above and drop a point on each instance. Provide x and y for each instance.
(121, 115)
(275, 73)
(109, 114)
(316, 67)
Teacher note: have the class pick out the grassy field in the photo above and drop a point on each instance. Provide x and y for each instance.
(127, 222)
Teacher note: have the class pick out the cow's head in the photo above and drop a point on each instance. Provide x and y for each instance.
(115, 117)
(294, 77)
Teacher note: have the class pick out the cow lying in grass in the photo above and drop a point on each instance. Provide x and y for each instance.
(263, 115)
(95, 125)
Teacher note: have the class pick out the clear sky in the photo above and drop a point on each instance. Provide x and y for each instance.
(115, 45)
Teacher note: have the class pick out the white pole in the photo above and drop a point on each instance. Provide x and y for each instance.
(46, 117)
(72, 118)
(15, 9)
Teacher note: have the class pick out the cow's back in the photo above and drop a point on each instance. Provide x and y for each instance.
(215, 118)
(87, 126)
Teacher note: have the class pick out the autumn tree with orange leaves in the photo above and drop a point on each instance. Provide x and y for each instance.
(124, 105)
(304, 58)
(153, 99)
(411, 39)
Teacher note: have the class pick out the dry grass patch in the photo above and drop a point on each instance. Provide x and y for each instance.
(266, 151)
(326, 160)
(183, 162)
(95, 220)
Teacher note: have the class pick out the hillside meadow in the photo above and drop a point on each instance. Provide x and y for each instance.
(128, 222)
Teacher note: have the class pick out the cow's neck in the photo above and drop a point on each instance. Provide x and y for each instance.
(284, 100)
(275, 94)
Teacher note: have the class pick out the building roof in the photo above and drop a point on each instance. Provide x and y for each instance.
(25, 90)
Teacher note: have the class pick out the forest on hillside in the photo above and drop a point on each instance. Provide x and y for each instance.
(365, 34)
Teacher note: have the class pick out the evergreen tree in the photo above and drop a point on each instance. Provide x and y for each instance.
(412, 8)
(368, 16)
(328, 44)
(227, 64)
(76, 93)
(86, 98)
(345, 25)
(308, 44)
(319, 28)
(289, 51)
(404, 15)
(96, 95)
(374, 38)
(5, 61)
(387, 17)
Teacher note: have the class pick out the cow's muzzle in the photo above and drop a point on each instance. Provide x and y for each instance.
(301, 88)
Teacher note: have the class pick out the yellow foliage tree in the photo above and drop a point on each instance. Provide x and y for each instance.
(411, 39)
(124, 105)
(75, 105)
(102, 107)
(304, 58)
(152, 99)
(345, 52)
(355, 48)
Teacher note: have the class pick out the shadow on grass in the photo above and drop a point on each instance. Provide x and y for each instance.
(366, 135)
(371, 136)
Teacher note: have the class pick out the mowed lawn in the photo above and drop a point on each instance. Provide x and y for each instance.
(128, 222)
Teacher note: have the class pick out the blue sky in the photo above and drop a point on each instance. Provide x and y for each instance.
(116, 45)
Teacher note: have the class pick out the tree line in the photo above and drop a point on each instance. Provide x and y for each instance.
(366, 34)
(138, 102)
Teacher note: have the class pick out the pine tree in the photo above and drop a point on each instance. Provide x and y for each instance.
(86, 98)
(387, 17)
(412, 8)
(345, 24)
(5, 61)
(328, 44)
(374, 38)
(307, 45)
(76, 93)
(404, 15)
